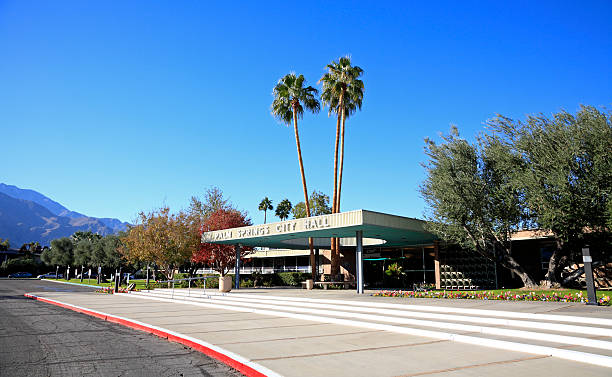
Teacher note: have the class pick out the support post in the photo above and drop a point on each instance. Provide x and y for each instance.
(437, 264)
(424, 276)
(359, 261)
(116, 288)
(316, 264)
(238, 249)
(588, 274)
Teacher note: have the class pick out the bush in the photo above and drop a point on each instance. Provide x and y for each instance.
(293, 279)
(19, 265)
(281, 279)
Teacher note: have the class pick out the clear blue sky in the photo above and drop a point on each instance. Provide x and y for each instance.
(113, 107)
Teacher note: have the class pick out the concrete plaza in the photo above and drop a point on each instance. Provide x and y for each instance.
(294, 332)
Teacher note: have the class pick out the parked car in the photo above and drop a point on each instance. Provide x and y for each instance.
(20, 275)
(50, 275)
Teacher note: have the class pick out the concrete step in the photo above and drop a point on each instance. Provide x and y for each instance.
(551, 337)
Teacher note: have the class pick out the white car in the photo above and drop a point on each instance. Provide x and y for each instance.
(50, 275)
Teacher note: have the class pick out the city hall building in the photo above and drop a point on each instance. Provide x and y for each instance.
(376, 250)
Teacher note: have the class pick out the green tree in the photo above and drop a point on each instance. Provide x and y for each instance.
(98, 258)
(565, 177)
(471, 197)
(82, 254)
(319, 205)
(62, 253)
(343, 94)
(265, 205)
(84, 235)
(212, 201)
(284, 208)
(4, 244)
(299, 211)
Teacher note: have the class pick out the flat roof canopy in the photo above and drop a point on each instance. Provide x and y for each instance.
(379, 229)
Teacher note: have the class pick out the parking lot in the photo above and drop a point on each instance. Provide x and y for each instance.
(37, 339)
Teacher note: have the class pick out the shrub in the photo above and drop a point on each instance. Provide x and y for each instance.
(292, 279)
(19, 265)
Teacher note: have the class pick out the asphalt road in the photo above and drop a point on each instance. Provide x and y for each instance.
(39, 339)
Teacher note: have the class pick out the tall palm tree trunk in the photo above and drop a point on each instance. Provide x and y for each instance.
(299, 150)
(335, 254)
(335, 198)
(341, 162)
(265, 214)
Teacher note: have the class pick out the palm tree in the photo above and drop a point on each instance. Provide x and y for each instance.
(283, 209)
(343, 94)
(265, 205)
(290, 99)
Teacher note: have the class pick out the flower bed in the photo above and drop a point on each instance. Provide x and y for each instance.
(109, 290)
(489, 295)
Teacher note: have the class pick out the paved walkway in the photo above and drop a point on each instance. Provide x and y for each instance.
(320, 333)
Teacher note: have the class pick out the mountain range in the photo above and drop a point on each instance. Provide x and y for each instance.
(27, 216)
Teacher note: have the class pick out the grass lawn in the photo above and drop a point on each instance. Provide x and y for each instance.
(140, 283)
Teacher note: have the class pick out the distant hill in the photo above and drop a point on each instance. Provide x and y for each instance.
(27, 215)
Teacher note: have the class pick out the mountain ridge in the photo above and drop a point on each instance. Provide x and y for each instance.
(27, 215)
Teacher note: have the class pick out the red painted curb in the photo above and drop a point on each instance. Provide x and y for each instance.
(225, 359)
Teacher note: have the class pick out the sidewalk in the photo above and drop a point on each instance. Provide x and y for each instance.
(318, 333)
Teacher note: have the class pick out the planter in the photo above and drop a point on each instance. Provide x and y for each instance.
(309, 284)
(225, 283)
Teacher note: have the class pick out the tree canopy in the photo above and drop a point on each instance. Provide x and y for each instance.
(564, 173)
(471, 199)
(220, 257)
(283, 209)
(161, 237)
(551, 174)
(265, 205)
(319, 206)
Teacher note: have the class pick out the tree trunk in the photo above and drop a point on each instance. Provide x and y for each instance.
(299, 150)
(510, 263)
(265, 215)
(335, 256)
(338, 122)
(147, 274)
(577, 274)
(82, 268)
(341, 161)
(550, 279)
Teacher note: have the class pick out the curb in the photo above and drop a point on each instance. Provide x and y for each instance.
(241, 364)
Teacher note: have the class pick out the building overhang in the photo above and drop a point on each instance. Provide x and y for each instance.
(379, 229)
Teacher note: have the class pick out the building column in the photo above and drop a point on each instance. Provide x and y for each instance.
(238, 249)
(437, 264)
(359, 261)
(316, 263)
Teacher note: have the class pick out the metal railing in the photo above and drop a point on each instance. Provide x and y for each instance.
(265, 270)
(189, 286)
